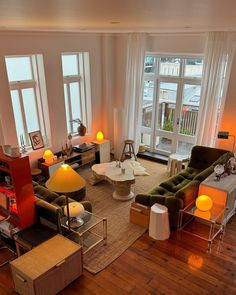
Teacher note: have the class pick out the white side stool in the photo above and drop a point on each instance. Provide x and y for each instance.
(175, 163)
(159, 228)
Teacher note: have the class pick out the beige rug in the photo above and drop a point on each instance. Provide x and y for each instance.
(121, 233)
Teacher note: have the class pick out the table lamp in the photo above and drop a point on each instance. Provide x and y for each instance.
(65, 180)
(48, 157)
(99, 136)
(75, 210)
(204, 205)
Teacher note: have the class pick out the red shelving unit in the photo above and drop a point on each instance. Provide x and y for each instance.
(21, 193)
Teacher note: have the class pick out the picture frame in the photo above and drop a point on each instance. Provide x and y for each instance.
(36, 140)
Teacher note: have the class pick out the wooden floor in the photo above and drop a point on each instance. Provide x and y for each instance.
(179, 265)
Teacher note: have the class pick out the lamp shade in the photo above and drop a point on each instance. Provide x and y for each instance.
(65, 180)
(75, 209)
(48, 156)
(204, 203)
(99, 136)
(223, 134)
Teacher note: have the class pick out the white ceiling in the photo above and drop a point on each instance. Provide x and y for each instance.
(118, 15)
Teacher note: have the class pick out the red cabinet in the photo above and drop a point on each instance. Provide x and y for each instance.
(21, 193)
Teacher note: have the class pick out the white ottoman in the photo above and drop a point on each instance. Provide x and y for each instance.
(159, 228)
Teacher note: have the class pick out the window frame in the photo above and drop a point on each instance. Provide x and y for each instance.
(84, 94)
(19, 86)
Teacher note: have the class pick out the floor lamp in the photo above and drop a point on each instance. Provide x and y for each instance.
(65, 180)
(226, 135)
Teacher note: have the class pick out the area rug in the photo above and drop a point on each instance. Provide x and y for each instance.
(121, 233)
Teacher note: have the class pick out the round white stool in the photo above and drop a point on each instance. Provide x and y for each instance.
(175, 163)
(159, 228)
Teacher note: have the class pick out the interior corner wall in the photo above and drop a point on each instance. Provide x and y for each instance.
(228, 122)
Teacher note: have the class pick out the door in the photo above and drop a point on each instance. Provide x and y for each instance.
(171, 101)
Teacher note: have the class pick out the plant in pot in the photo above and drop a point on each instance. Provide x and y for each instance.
(81, 128)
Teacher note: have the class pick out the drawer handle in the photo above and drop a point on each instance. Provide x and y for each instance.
(20, 278)
(136, 209)
(60, 263)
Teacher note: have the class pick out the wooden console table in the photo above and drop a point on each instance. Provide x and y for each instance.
(47, 268)
(78, 158)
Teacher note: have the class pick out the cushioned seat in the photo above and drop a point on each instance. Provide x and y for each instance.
(181, 189)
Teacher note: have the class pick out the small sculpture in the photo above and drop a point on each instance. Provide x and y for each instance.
(81, 128)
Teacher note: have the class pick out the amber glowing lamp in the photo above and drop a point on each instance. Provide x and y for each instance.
(204, 203)
(48, 157)
(99, 136)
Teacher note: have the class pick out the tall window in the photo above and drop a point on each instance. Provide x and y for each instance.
(23, 80)
(171, 100)
(76, 77)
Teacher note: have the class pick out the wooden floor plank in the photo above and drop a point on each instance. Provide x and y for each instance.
(158, 267)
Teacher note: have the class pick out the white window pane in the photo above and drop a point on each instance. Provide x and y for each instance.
(149, 64)
(166, 108)
(17, 114)
(148, 92)
(169, 66)
(30, 109)
(68, 118)
(75, 100)
(190, 109)
(18, 68)
(193, 67)
(70, 65)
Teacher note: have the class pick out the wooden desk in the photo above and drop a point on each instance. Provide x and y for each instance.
(48, 268)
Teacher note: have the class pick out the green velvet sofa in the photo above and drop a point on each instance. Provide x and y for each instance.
(181, 189)
(57, 200)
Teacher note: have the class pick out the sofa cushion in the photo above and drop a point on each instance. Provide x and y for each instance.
(158, 190)
(204, 174)
(203, 157)
(175, 183)
(223, 159)
(46, 194)
(190, 173)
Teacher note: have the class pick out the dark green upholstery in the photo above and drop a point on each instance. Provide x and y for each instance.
(57, 200)
(181, 189)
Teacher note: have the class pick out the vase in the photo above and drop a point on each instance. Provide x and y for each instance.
(81, 130)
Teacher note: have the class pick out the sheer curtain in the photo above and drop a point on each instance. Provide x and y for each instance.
(218, 57)
(136, 45)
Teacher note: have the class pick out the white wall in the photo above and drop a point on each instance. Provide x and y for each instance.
(107, 66)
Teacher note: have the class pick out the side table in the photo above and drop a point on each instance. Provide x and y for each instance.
(205, 227)
(102, 151)
(175, 163)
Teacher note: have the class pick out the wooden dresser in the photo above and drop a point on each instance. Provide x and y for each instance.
(48, 268)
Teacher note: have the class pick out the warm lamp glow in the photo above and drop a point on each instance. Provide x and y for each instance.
(195, 262)
(65, 180)
(100, 136)
(48, 157)
(204, 203)
(75, 209)
(203, 214)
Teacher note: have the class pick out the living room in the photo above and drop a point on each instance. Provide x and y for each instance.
(108, 68)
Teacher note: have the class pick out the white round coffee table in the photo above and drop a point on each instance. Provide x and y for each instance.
(121, 181)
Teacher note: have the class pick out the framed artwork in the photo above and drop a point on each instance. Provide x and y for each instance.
(36, 140)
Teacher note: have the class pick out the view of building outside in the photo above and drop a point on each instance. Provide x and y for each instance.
(159, 90)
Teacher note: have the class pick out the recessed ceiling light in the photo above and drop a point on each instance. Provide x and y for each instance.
(114, 22)
(187, 27)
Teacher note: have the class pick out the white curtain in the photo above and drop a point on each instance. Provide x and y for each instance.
(136, 45)
(218, 57)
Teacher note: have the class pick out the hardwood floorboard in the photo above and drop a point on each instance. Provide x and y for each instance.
(158, 268)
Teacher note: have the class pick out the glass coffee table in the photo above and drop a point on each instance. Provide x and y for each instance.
(91, 233)
(206, 226)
